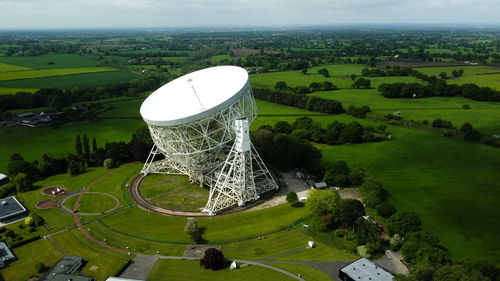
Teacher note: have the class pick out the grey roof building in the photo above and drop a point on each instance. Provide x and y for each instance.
(3, 179)
(64, 270)
(6, 255)
(364, 270)
(11, 210)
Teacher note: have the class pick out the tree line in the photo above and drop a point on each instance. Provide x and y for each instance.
(301, 101)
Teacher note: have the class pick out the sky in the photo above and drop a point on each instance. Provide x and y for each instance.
(71, 14)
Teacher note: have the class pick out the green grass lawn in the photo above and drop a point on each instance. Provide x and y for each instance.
(50, 61)
(470, 75)
(282, 242)
(28, 256)
(10, 67)
(91, 203)
(219, 229)
(32, 143)
(124, 109)
(98, 79)
(108, 263)
(308, 273)
(191, 270)
(15, 75)
(174, 192)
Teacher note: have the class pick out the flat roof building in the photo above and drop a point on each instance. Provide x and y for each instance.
(364, 270)
(6, 255)
(3, 179)
(11, 210)
(64, 270)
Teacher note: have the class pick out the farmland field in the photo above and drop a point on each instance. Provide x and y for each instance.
(11, 91)
(9, 67)
(27, 74)
(50, 61)
(76, 80)
(481, 75)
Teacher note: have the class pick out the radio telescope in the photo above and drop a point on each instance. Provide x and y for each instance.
(200, 123)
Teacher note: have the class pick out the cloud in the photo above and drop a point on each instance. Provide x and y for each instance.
(149, 13)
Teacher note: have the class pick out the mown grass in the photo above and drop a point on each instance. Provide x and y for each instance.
(108, 263)
(191, 270)
(28, 256)
(470, 75)
(32, 143)
(77, 80)
(91, 203)
(219, 229)
(50, 61)
(16, 75)
(174, 192)
(308, 273)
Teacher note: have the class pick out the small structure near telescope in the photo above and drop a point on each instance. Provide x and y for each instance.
(200, 123)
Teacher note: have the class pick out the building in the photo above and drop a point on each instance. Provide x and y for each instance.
(364, 270)
(320, 185)
(6, 255)
(11, 210)
(3, 179)
(65, 270)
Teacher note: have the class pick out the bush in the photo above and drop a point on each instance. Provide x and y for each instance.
(40, 267)
(404, 223)
(385, 209)
(109, 163)
(472, 135)
(23, 182)
(292, 198)
(363, 252)
(213, 259)
(339, 232)
(396, 242)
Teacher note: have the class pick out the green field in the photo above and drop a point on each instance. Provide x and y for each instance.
(102, 263)
(219, 229)
(9, 67)
(77, 80)
(191, 270)
(32, 143)
(308, 273)
(28, 256)
(471, 75)
(28, 74)
(91, 203)
(50, 61)
(12, 91)
(174, 192)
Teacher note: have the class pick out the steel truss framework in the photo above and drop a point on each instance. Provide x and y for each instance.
(204, 151)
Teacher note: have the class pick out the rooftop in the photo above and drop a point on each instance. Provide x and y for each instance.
(195, 96)
(9, 207)
(365, 270)
(64, 269)
(5, 253)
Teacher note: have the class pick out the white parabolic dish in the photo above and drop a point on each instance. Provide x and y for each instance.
(195, 95)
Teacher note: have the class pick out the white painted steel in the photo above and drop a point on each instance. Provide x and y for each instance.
(205, 136)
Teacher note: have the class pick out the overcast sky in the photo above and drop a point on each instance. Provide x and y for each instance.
(44, 14)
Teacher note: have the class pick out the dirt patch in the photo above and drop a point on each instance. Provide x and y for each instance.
(55, 191)
(407, 63)
(350, 193)
(93, 268)
(247, 52)
(46, 204)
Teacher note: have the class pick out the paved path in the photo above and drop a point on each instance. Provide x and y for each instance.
(55, 244)
(60, 203)
(76, 218)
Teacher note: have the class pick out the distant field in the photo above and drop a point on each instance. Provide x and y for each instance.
(77, 80)
(491, 80)
(10, 67)
(50, 61)
(15, 75)
(11, 91)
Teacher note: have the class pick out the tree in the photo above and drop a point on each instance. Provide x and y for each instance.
(17, 165)
(73, 168)
(78, 145)
(213, 259)
(443, 75)
(304, 70)
(23, 182)
(458, 272)
(472, 135)
(283, 127)
(349, 211)
(367, 231)
(86, 147)
(324, 72)
(395, 242)
(385, 209)
(321, 202)
(466, 127)
(292, 198)
(94, 145)
(404, 223)
(193, 230)
(281, 85)
(356, 176)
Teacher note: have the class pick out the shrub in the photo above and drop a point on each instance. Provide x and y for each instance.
(404, 223)
(213, 259)
(472, 135)
(109, 163)
(396, 242)
(385, 209)
(40, 267)
(425, 122)
(339, 232)
(363, 252)
(258, 251)
(292, 198)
